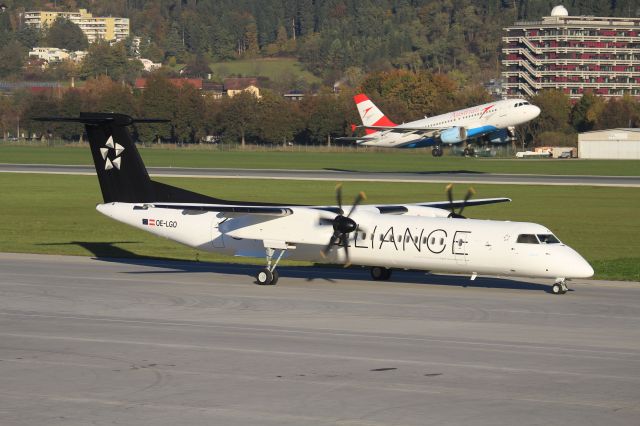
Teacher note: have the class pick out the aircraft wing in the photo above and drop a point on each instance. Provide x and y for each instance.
(280, 211)
(444, 205)
(403, 129)
(460, 203)
(355, 138)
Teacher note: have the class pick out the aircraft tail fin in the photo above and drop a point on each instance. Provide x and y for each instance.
(370, 114)
(121, 172)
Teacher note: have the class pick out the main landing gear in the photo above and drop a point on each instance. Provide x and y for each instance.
(269, 275)
(469, 152)
(560, 287)
(379, 273)
(437, 151)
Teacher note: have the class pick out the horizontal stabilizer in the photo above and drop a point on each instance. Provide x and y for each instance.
(234, 209)
(97, 118)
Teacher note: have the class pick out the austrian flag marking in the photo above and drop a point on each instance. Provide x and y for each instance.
(163, 223)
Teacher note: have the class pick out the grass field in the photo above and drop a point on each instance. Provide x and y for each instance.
(273, 68)
(362, 160)
(56, 214)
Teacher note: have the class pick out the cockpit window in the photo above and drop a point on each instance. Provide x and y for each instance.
(548, 239)
(526, 103)
(527, 239)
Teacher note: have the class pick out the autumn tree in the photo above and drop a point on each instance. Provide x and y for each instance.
(156, 101)
(188, 114)
(585, 112)
(237, 117)
(278, 119)
(619, 113)
(104, 59)
(553, 121)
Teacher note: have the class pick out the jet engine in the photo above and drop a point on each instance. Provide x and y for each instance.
(453, 135)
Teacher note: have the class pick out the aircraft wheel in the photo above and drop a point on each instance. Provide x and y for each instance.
(466, 152)
(434, 152)
(379, 273)
(472, 152)
(557, 289)
(275, 276)
(264, 277)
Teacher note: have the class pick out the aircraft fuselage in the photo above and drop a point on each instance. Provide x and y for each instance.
(438, 244)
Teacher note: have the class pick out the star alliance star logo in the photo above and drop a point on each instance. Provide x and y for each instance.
(117, 148)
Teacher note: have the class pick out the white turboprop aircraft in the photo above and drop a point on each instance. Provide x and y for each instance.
(495, 122)
(428, 236)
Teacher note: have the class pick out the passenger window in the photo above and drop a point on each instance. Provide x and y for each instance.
(527, 239)
(424, 240)
(399, 238)
(364, 235)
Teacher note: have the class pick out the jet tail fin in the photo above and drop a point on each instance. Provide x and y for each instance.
(121, 172)
(370, 114)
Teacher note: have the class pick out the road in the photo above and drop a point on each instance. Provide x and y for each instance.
(139, 342)
(345, 175)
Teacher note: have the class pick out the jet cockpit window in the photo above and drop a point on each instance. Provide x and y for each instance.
(526, 103)
(548, 239)
(527, 239)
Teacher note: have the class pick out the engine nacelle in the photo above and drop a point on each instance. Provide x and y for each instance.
(453, 135)
(500, 136)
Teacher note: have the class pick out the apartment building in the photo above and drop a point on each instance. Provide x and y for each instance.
(94, 27)
(574, 54)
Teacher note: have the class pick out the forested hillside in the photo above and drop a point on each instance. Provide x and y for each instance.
(332, 38)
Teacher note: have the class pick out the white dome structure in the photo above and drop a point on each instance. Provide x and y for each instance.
(559, 11)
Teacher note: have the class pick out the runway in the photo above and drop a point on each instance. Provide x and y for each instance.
(345, 175)
(139, 342)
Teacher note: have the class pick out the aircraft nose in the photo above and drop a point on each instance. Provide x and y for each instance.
(584, 269)
(535, 111)
(579, 267)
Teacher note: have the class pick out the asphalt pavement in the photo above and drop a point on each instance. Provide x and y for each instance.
(140, 342)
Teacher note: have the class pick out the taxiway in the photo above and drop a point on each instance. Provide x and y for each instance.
(346, 175)
(139, 342)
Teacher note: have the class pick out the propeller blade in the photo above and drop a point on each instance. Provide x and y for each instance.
(449, 190)
(339, 197)
(332, 240)
(470, 193)
(345, 244)
(361, 196)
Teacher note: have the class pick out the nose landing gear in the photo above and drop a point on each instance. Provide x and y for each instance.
(560, 286)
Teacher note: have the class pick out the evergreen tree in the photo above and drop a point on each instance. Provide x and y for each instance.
(64, 34)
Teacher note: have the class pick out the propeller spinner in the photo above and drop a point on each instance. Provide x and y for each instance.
(342, 225)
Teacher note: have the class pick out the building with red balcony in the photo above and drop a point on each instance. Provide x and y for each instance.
(575, 54)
